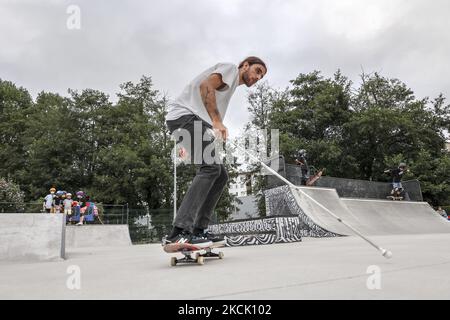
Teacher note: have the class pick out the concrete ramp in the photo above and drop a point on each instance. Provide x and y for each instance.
(397, 217)
(31, 237)
(371, 217)
(330, 200)
(97, 236)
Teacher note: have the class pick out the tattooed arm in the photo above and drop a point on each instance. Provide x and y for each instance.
(208, 93)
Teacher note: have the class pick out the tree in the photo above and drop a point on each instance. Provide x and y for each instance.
(11, 197)
(312, 117)
(389, 121)
(50, 138)
(261, 104)
(15, 104)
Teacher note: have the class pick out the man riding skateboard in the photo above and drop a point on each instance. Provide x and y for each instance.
(397, 175)
(200, 107)
(301, 161)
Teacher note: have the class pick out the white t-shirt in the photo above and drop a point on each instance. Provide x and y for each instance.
(190, 100)
(48, 201)
(67, 204)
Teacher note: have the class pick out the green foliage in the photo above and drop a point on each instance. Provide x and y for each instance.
(433, 172)
(15, 104)
(11, 197)
(312, 117)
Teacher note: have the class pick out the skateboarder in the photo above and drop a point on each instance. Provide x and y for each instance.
(201, 106)
(397, 174)
(301, 161)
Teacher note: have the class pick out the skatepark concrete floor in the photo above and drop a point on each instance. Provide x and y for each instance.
(316, 268)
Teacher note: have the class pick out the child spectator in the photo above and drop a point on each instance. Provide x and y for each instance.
(82, 198)
(59, 200)
(442, 212)
(48, 201)
(68, 204)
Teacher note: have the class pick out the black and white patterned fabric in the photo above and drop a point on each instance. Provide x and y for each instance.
(259, 231)
(280, 201)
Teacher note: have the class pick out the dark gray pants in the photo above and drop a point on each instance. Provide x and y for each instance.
(201, 198)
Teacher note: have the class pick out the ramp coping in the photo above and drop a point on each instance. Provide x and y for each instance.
(382, 200)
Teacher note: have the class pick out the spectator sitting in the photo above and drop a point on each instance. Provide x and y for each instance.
(442, 212)
(81, 203)
(74, 210)
(59, 200)
(87, 207)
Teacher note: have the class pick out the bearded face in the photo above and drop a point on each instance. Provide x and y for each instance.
(246, 78)
(253, 74)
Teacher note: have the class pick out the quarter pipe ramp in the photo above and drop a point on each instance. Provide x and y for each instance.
(371, 217)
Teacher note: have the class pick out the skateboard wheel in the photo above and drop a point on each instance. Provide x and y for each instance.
(200, 260)
(173, 261)
(221, 255)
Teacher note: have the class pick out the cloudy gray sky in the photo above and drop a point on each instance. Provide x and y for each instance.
(172, 41)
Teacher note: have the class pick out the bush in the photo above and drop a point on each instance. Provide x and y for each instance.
(11, 197)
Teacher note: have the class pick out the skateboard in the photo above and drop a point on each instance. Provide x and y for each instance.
(394, 198)
(315, 177)
(188, 249)
(396, 194)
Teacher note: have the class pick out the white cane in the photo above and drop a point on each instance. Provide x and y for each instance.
(385, 253)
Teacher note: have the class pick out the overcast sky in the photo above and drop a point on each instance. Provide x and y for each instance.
(172, 41)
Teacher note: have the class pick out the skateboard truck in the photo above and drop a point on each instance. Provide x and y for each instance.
(199, 257)
(187, 259)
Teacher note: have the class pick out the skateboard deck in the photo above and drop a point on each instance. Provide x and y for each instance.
(394, 198)
(315, 177)
(188, 249)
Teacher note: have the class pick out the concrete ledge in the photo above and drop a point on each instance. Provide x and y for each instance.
(97, 236)
(31, 237)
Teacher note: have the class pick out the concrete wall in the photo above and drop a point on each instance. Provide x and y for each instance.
(97, 236)
(31, 236)
(349, 188)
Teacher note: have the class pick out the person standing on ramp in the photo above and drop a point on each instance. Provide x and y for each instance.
(200, 107)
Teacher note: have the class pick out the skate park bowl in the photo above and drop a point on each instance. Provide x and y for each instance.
(31, 237)
(106, 235)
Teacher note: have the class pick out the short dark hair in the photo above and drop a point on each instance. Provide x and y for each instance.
(253, 60)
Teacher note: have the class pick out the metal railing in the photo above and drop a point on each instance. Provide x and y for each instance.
(147, 226)
(21, 207)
